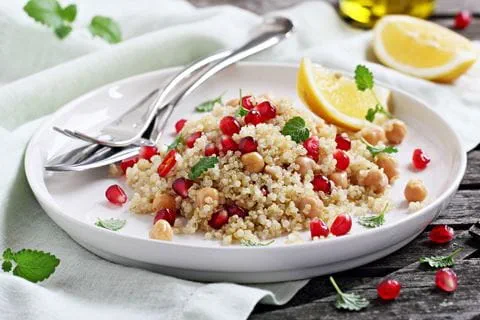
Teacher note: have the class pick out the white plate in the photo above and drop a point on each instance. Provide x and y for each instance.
(75, 200)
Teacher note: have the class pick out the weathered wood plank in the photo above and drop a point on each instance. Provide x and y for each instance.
(463, 209)
(472, 174)
(475, 232)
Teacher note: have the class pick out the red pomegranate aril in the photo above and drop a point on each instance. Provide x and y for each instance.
(167, 164)
(446, 279)
(264, 190)
(312, 145)
(318, 228)
(247, 144)
(218, 219)
(462, 20)
(229, 125)
(247, 102)
(190, 141)
(128, 163)
(210, 149)
(180, 124)
(147, 152)
(116, 195)
(343, 161)
(181, 186)
(267, 110)
(253, 117)
(389, 289)
(343, 142)
(228, 144)
(419, 159)
(321, 183)
(442, 234)
(341, 225)
(233, 210)
(165, 214)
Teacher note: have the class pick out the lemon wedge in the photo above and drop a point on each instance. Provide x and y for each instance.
(336, 98)
(422, 48)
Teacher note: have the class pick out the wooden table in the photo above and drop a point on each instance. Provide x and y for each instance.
(419, 298)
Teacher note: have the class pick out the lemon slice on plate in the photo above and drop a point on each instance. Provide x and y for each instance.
(422, 48)
(336, 98)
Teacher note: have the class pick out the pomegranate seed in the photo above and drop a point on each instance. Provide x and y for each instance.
(462, 20)
(442, 234)
(147, 152)
(190, 141)
(420, 160)
(267, 110)
(318, 228)
(321, 183)
(128, 163)
(247, 144)
(388, 289)
(218, 219)
(116, 195)
(211, 149)
(228, 144)
(181, 186)
(229, 125)
(446, 280)
(167, 164)
(264, 190)
(247, 102)
(341, 225)
(253, 117)
(165, 214)
(312, 145)
(233, 209)
(343, 142)
(343, 161)
(180, 124)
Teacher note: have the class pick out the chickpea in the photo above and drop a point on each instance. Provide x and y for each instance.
(340, 179)
(204, 194)
(376, 180)
(373, 135)
(161, 230)
(253, 162)
(305, 164)
(415, 191)
(233, 102)
(389, 165)
(395, 131)
(163, 200)
(314, 208)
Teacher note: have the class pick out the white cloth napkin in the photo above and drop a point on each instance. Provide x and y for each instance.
(40, 73)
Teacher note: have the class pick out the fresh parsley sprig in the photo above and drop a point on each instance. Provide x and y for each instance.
(373, 221)
(252, 243)
(374, 150)
(201, 166)
(441, 261)
(111, 224)
(208, 105)
(241, 111)
(297, 129)
(364, 81)
(176, 143)
(348, 301)
(32, 265)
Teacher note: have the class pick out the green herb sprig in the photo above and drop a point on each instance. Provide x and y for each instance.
(111, 224)
(176, 143)
(364, 81)
(373, 221)
(441, 261)
(374, 150)
(208, 105)
(32, 265)
(241, 111)
(201, 166)
(297, 129)
(348, 301)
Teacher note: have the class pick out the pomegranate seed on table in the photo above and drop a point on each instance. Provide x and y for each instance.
(318, 228)
(166, 214)
(116, 195)
(228, 144)
(247, 102)
(446, 279)
(312, 145)
(253, 117)
(229, 125)
(190, 141)
(462, 20)
(267, 110)
(128, 163)
(419, 159)
(247, 144)
(180, 124)
(321, 183)
(218, 219)
(343, 161)
(388, 289)
(211, 149)
(441, 234)
(343, 142)
(233, 209)
(341, 225)
(167, 164)
(181, 186)
(264, 190)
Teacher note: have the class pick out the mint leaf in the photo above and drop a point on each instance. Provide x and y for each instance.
(34, 265)
(111, 224)
(374, 150)
(296, 129)
(252, 243)
(373, 111)
(208, 105)
(201, 166)
(241, 112)
(174, 145)
(6, 266)
(363, 78)
(441, 261)
(8, 254)
(47, 12)
(348, 301)
(69, 13)
(373, 221)
(63, 31)
(106, 28)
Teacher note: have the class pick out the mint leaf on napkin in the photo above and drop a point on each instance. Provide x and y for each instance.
(32, 265)
(51, 14)
(106, 28)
